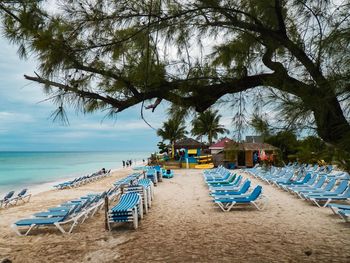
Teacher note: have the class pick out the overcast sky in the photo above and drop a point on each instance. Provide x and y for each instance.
(25, 124)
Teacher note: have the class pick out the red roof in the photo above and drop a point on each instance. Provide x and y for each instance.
(221, 143)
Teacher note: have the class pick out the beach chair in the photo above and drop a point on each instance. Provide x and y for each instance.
(166, 173)
(148, 185)
(68, 216)
(336, 207)
(6, 200)
(235, 187)
(128, 209)
(327, 198)
(143, 193)
(224, 177)
(236, 183)
(255, 198)
(60, 222)
(309, 185)
(328, 187)
(152, 175)
(243, 189)
(337, 191)
(299, 182)
(21, 196)
(230, 180)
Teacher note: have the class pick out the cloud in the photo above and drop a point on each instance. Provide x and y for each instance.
(116, 126)
(14, 117)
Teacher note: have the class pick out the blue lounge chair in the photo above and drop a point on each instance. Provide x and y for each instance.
(166, 173)
(31, 223)
(312, 184)
(254, 198)
(128, 209)
(336, 207)
(148, 185)
(337, 191)
(152, 175)
(225, 177)
(328, 187)
(69, 214)
(297, 183)
(327, 198)
(236, 183)
(21, 196)
(243, 189)
(231, 180)
(7, 198)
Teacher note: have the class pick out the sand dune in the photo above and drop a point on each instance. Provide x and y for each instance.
(184, 226)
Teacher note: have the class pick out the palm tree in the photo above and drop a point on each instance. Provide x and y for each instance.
(172, 130)
(207, 124)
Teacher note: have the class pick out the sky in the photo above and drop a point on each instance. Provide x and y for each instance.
(25, 123)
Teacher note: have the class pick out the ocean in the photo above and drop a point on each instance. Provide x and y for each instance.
(32, 169)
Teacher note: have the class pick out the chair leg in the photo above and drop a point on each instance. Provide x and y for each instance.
(15, 228)
(141, 208)
(315, 202)
(256, 205)
(327, 202)
(60, 228)
(135, 219)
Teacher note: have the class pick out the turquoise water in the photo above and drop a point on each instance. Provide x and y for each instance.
(26, 169)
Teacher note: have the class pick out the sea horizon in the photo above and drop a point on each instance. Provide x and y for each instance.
(38, 169)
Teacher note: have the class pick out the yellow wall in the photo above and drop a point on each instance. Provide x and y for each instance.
(190, 165)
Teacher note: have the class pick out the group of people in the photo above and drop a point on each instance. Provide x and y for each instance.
(127, 163)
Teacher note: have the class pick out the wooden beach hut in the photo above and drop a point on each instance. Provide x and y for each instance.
(187, 149)
(242, 154)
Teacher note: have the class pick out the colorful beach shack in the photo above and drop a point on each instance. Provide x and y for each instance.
(188, 150)
(245, 154)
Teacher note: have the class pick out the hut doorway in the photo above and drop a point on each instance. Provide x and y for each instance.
(241, 158)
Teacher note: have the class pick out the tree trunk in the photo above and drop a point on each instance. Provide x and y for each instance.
(332, 126)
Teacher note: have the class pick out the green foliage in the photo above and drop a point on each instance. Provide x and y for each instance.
(172, 130)
(162, 147)
(286, 141)
(208, 124)
(231, 152)
(260, 125)
(111, 55)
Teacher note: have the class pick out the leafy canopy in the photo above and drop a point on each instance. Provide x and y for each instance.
(111, 55)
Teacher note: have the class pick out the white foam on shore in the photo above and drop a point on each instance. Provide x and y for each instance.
(35, 189)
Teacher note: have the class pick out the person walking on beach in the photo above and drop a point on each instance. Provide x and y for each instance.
(123, 164)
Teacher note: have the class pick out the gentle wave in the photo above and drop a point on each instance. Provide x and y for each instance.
(28, 169)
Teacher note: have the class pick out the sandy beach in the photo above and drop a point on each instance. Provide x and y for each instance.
(183, 225)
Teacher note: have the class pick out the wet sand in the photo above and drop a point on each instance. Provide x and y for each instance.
(184, 225)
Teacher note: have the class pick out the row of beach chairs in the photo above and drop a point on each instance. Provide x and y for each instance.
(137, 193)
(156, 173)
(66, 216)
(11, 199)
(229, 189)
(83, 180)
(316, 184)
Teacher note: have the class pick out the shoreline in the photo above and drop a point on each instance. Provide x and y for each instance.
(42, 186)
(38, 188)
